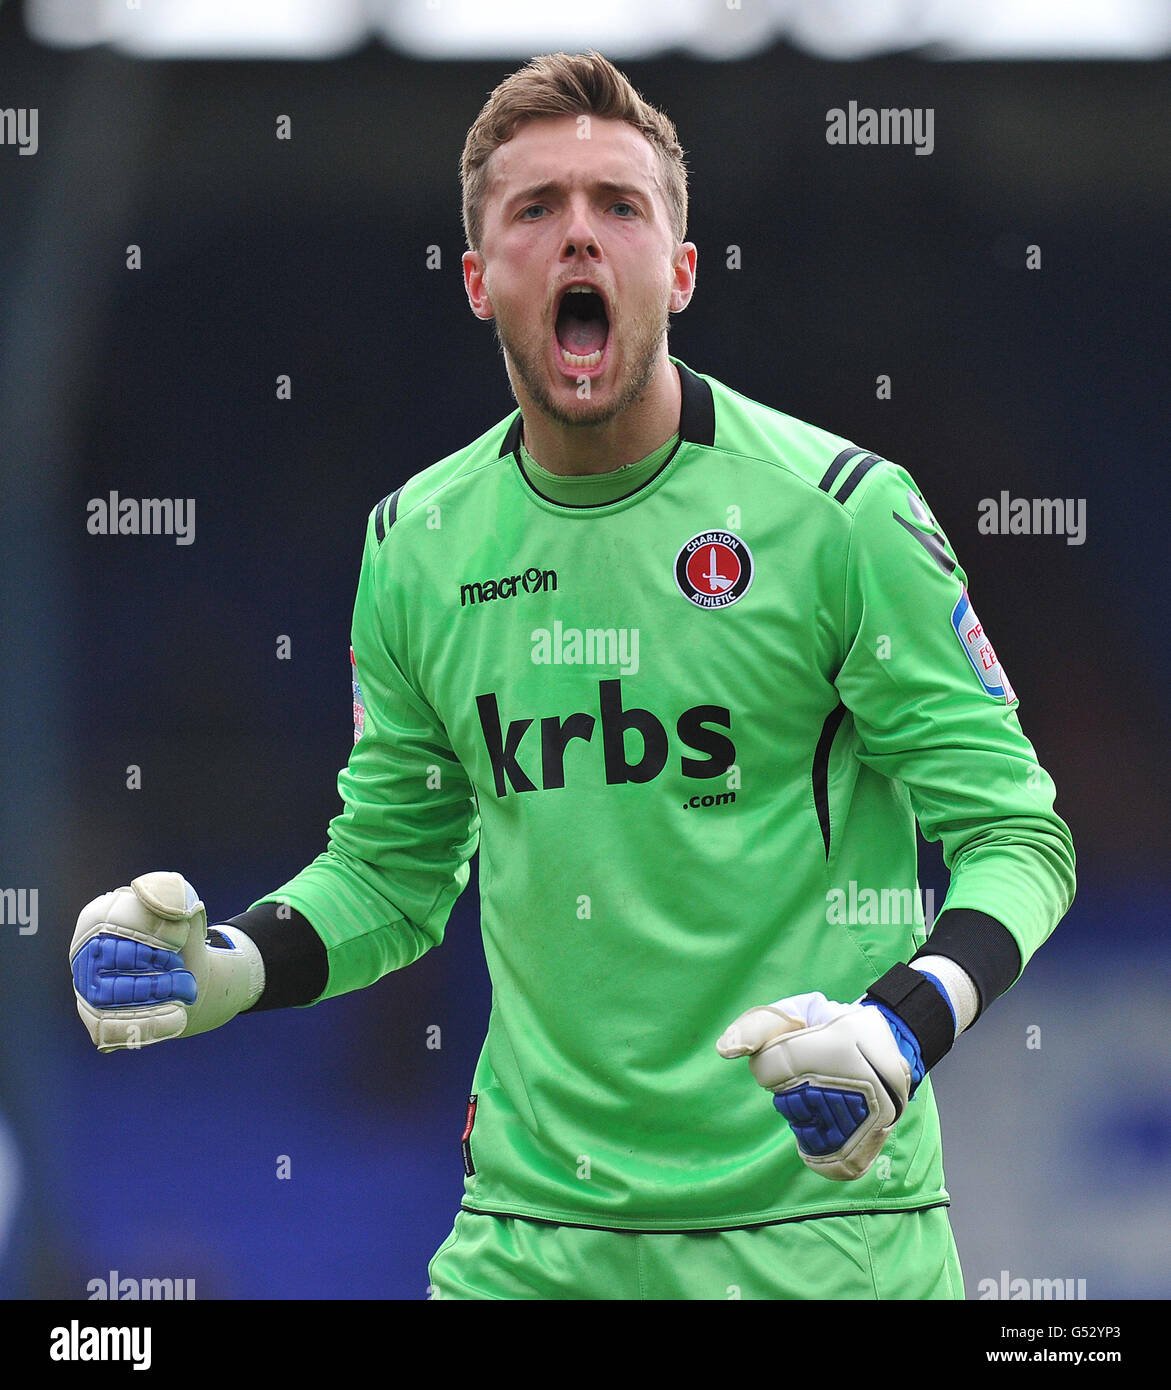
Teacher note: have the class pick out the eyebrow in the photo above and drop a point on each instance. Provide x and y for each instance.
(543, 189)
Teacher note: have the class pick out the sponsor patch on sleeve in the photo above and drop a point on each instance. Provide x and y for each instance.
(359, 703)
(466, 1140)
(980, 651)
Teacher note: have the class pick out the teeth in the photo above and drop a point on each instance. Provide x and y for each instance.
(574, 360)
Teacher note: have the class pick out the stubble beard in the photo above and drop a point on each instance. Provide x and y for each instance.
(526, 363)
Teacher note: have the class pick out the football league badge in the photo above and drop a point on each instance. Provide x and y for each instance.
(979, 650)
(359, 703)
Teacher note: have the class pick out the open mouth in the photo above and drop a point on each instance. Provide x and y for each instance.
(582, 327)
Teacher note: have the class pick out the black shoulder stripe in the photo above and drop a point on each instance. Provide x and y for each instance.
(379, 524)
(385, 513)
(836, 467)
(860, 471)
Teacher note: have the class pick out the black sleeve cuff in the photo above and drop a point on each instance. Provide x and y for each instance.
(911, 995)
(981, 945)
(296, 967)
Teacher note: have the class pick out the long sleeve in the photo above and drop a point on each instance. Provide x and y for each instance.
(934, 710)
(398, 855)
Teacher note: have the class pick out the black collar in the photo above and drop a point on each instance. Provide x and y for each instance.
(697, 415)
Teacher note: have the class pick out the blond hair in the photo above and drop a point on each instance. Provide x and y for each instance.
(567, 84)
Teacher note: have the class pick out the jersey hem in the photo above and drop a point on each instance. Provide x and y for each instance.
(666, 1229)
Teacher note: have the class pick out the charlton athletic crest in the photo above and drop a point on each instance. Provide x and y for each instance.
(713, 569)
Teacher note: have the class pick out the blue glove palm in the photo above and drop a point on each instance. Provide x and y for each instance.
(113, 971)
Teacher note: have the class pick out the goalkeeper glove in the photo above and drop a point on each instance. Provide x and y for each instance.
(841, 1074)
(146, 968)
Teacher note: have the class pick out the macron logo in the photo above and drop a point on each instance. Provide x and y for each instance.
(532, 581)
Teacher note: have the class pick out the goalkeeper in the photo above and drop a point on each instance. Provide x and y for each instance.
(687, 671)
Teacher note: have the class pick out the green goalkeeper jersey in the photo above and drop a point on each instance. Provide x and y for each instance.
(689, 712)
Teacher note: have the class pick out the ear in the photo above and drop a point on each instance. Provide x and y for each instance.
(683, 283)
(476, 285)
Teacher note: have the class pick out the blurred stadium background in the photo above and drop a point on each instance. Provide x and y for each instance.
(309, 257)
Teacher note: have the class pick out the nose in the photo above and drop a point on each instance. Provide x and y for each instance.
(580, 234)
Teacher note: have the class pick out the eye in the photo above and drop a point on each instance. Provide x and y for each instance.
(539, 207)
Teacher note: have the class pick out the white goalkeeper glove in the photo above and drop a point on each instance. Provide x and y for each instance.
(841, 1074)
(146, 968)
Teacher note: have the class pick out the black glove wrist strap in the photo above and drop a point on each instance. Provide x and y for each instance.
(921, 1007)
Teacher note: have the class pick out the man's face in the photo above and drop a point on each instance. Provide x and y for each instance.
(559, 209)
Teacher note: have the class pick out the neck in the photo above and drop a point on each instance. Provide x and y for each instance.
(632, 434)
